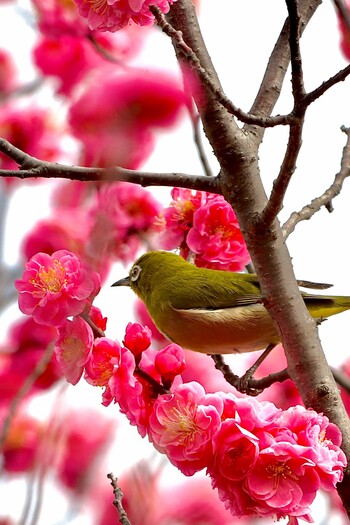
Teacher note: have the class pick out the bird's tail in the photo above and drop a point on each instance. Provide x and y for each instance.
(322, 306)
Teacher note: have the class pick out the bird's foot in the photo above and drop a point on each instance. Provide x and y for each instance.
(244, 382)
(245, 387)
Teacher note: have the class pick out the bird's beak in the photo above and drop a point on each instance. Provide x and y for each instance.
(122, 282)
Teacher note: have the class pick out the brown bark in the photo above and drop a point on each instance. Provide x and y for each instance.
(240, 182)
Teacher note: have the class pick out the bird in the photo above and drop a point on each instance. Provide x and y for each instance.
(213, 311)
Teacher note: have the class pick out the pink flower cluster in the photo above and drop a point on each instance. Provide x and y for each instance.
(64, 51)
(205, 226)
(112, 15)
(116, 368)
(264, 461)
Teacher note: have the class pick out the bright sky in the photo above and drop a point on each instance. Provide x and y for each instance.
(240, 36)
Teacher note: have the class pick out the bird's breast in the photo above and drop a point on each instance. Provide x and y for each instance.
(222, 331)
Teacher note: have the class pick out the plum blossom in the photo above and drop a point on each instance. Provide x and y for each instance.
(121, 214)
(176, 220)
(54, 287)
(113, 15)
(216, 238)
(32, 130)
(137, 338)
(170, 362)
(275, 464)
(73, 347)
(204, 227)
(116, 116)
(100, 365)
(182, 426)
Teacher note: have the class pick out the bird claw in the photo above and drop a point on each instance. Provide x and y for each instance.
(245, 388)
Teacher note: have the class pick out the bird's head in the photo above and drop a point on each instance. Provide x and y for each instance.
(148, 270)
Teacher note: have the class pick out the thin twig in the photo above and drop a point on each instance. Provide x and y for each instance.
(288, 167)
(326, 198)
(104, 53)
(280, 185)
(117, 502)
(327, 84)
(157, 388)
(195, 119)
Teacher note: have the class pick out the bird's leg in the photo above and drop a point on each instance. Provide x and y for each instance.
(244, 380)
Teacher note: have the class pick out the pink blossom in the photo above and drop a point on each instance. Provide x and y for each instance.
(134, 395)
(54, 287)
(66, 58)
(59, 17)
(97, 318)
(122, 213)
(279, 461)
(235, 451)
(283, 481)
(137, 338)
(170, 362)
(30, 129)
(113, 15)
(182, 426)
(216, 238)
(73, 347)
(122, 112)
(100, 366)
(176, 220)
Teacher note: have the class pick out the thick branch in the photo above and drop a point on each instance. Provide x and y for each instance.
(237, 153)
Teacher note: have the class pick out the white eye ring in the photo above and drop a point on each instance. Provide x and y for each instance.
(135, 273)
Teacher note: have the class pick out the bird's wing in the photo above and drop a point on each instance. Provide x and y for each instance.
(212, 295)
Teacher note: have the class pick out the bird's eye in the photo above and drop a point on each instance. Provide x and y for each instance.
(135, 273)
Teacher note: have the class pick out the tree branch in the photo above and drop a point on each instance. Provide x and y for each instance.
(118, 496)
(288, 167)
(33, 167)
(237, 153)
(326, 198)
(192, 59)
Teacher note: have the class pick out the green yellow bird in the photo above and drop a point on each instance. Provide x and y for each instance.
(213, 311)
